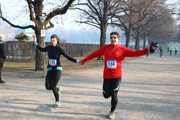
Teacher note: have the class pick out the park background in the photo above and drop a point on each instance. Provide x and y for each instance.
(149, 89)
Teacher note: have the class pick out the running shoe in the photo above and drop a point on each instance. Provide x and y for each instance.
(112, 115)
(57, 104)
(60, 89)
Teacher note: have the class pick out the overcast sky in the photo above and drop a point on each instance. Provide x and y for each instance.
(66, 28)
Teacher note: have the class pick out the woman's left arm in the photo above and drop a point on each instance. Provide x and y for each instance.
(69, 57)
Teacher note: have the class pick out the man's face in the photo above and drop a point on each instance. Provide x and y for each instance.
(114, 39)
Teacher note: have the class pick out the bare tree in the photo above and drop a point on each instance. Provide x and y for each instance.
(128, 18)
(174, 6)
(137, 15)
(35, 9)
(145, 12)
(98, 13)
(162, 29)
(159, 16)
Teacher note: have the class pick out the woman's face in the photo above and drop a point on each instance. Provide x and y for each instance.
(114, 39)
(53, 41)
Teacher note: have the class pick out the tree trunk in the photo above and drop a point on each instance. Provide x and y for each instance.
(39, 55)
(148, 40)
(137, 41)
(102, 38)
(144, 41)
(128, 37)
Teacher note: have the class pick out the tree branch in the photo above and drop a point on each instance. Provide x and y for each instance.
(58, 11)
(93, 8)
(16, 26)
(87, 13)
(30, 8)
(50, 26)
(89, 23)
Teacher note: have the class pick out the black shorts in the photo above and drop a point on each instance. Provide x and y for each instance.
(111, 85)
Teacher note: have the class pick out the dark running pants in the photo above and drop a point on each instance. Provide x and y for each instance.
(52, 79)
(110, 89)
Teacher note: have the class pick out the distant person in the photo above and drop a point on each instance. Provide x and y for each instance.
(176, 49)
(170, 50)
(54, 68)
(114, 55)
(2, 57)
(160, 51)
(167, 49)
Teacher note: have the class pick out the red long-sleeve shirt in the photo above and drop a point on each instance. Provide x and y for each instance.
(114, 56)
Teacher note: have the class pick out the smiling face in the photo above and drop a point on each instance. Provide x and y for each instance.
(53, 41)
(114, 39)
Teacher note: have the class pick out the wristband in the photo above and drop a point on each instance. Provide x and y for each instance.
(35, 43)
(77, 61)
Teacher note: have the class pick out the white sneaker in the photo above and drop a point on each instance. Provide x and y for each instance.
(57, 104)
(112, 115)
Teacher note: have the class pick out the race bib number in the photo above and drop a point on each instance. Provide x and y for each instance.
(111, 64)
(52, 62)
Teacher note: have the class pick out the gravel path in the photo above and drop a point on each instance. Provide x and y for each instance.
(150, 90)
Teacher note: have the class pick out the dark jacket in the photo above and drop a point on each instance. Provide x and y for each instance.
(2, 52)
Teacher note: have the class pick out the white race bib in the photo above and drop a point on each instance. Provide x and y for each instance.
(52, 62)
(111, 64)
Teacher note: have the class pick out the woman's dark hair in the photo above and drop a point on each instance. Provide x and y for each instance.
(115, 33)
(57, 38)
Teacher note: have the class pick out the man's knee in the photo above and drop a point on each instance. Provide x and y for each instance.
(106, 95)
(48, 87)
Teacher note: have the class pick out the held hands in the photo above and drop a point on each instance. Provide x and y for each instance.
(81, 63)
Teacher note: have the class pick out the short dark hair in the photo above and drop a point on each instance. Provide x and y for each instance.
(57, 38)
(115, 33)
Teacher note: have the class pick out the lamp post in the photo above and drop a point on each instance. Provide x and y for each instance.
(43, 36)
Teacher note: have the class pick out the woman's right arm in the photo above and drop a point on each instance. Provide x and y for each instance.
(37, 46)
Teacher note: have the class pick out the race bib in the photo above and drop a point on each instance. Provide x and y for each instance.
(111, 64)
(52, 62)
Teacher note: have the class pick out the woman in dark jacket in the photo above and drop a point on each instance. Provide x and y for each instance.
(2, 57)
(54, 68)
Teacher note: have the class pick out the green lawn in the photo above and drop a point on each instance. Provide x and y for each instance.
(19, 66)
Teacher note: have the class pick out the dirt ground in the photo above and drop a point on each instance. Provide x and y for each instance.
(150, 90)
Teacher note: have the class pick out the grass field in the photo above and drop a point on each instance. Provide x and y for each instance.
(67, 65)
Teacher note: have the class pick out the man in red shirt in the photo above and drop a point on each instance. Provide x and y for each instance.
(114, 55)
